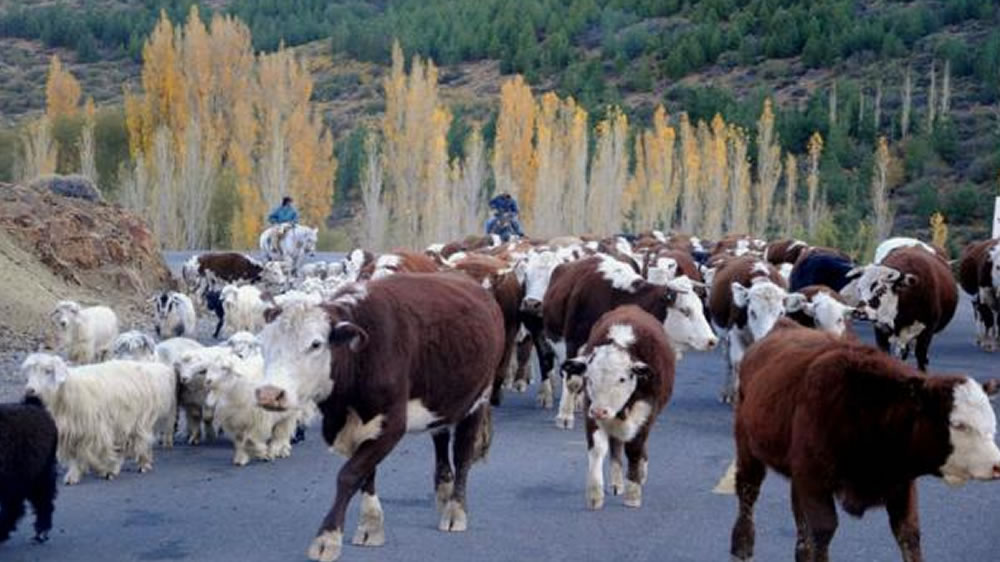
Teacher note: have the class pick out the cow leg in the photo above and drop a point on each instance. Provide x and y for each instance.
(923, 348)
(735, 355)
(467, 448)
(638, 466)
(567, 405)
(803, 539)
(617, 471)
(522, 378)
(11, 509)
(371, 522)
(546, 361)
(882, 339)
(750, 474)
(597, 450)
(905, 521)
(821, 518)
(192, 418)
(41, 497)
(444, 478)
(327, 545)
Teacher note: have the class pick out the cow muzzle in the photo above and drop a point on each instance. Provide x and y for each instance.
(600, 413)
(271, 398)
(532, 306)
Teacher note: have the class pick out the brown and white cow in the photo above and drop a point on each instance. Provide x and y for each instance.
(218, 269)
(910, 296)
(377, 370)
(843, 421)
(747, 297)
(627, 368)
(786, 250)
(979, 276)
(582, 291)
(663, 264)
(398, 262)
(497, 277)
(824, 309)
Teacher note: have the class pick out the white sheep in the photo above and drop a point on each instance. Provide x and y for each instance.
(244, 308)
(243, 344)
(191, 367)
(134, 345)
(314, 270)
(84, 334)
(103, 410)
(168, 351)
(175, 315)
(256, 433)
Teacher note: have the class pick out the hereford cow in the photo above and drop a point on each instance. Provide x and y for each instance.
(824, 309)
(979, 275)
(886, 247)
(748, 296)
(841, 420)
(398, 262)
(582, 291)
(782, 251)
(664, 264)
(378, 368)
(627, 367)
(910, 297)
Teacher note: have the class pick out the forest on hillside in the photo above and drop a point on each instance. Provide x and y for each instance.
(923, 75)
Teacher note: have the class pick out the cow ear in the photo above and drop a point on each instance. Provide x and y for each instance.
(351, 334)
(573, 367)
(992, 388)
(741, 295)
(909, 280)
(856, 272)
(641, 371)
(271, 313)
(796, 302)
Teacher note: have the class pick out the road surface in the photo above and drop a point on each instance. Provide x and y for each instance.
(526, 503)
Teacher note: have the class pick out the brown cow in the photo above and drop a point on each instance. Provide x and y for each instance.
(217, 269)
(628, 370)
(910, 296)
(404, 353)
(748, 296)
(499, 279)
(786, 250)
(842, 420)
(979, 276)
(580, 292)
(398, 262)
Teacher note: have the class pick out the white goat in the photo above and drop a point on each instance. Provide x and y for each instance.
(134, 345)
(244, 308)
(103, 410)
(174, 315)
(84, 334)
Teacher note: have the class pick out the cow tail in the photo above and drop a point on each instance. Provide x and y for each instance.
(484, 435)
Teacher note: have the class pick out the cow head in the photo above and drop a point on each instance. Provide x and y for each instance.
(765, 303)
(661, 270)
(298, 343)
(971, 432)
(995, 269)
(45, 373)
(537, 274)
(134, 345)
(829, 314)
(685, 324)
(877, 289)
(610, 372)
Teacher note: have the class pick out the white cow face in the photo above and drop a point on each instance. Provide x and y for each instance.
(45, 373)
(765, 303)
(297, 346)
(877, 289)
(661, 271)
(995, 270)
(972, 430)
(610, 372)
(829, 314)
(538, 273)
(685, 324)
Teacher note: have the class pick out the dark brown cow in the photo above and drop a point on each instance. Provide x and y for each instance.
(580, 292)
(499, 279)
(409, 352)
(843, 421)
(979, 276)
(910, 296)
(628, 370)
(219, 269)
(747, 297)
(786, 250)
(398, 262)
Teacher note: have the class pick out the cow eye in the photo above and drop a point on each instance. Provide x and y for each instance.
(202, 372)
(686, 312)
(753, 314)
(959, 426)
(621, 380)
(316, 344)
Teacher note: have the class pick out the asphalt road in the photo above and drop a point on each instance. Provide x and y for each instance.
(525, 503)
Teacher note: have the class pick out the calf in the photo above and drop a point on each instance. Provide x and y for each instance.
(28, 440)
(910, 297)
(843, 421)
(379, 368)
(979, 276)
(627, 367)
(584, 290)
(748, 296)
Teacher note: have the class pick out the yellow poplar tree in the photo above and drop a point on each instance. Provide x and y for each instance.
(768, 169)
(608, 174)
(739, 181)
(814, 202)
(690, 174)
(514, 164)
(939, 230)
(62, 91)
(654, 190)
(791, 187)
(880, 190)
(716, 170)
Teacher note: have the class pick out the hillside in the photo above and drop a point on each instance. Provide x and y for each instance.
(701, 57)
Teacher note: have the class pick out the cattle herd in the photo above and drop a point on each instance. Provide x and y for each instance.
(383, 345)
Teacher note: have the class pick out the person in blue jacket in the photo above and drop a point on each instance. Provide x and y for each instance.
(284, 213)
(504, 220)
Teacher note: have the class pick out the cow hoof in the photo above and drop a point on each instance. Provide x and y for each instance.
(520, 386)
(564, 422)
(72, 478)
(453, 518)
(241, 459)
(371, 527)
(282, 451)
(443, 494)
(633, 494)
(143, 468)
(643, 471)
(595, 498)
(193, 440)
(42, 537)
(617, 479)
(326, 547)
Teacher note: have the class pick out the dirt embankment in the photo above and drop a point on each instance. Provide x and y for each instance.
(54, 247)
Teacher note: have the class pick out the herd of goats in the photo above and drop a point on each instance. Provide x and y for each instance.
(382, 345)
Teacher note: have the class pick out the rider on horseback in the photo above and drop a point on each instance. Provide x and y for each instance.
(504, 221)
(285, 213)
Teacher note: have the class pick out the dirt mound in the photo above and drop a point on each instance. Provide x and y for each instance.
(54, 247)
